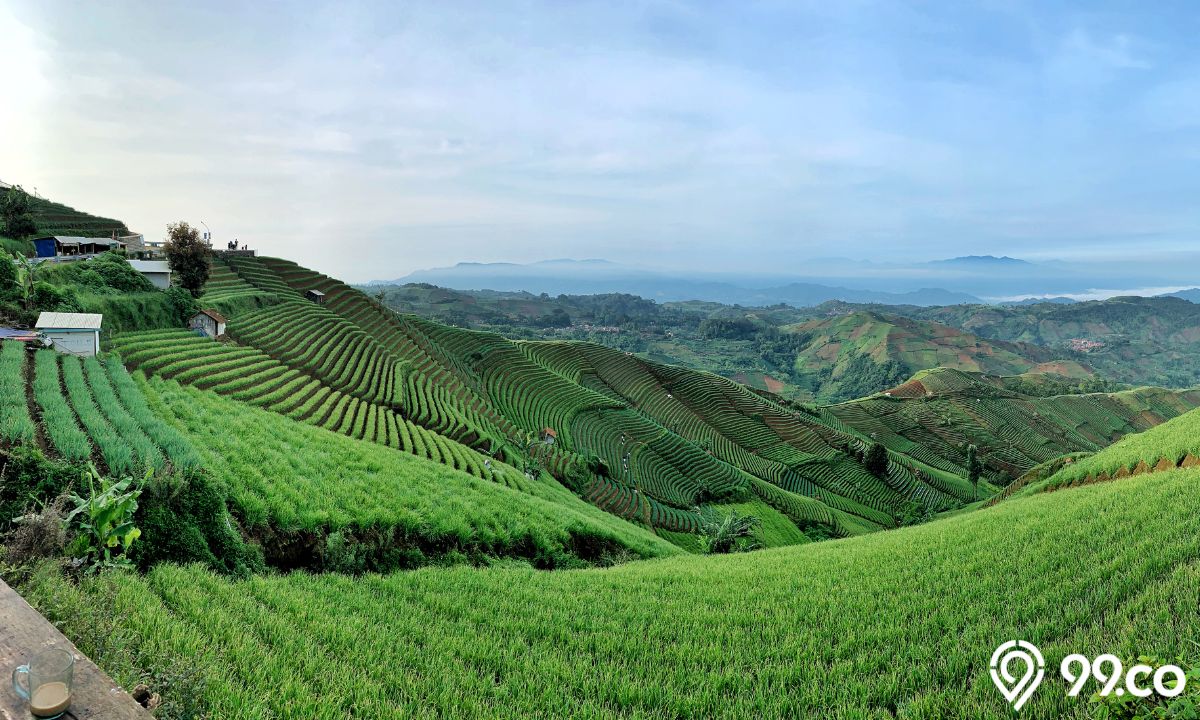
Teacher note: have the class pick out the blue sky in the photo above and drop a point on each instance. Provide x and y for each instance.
(371, 139)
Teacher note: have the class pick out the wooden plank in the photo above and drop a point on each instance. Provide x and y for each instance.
(23, 634)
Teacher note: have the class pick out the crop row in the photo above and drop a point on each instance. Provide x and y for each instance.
(813, 631)
(16, 426)
(249, 375)
(58, 419)
(298, 477)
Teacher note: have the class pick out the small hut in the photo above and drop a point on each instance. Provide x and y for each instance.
(72, 333)
(208, 322)
(315, 295)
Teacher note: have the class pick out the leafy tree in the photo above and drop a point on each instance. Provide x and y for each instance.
(183, 305)
(14, 211)
(974, 468)
(188, 256)
(876, 460)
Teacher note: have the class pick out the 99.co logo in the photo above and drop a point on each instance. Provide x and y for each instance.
(1017, 669)
(1108, 671)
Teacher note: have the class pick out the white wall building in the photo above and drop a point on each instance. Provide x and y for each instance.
(72, 333)
(157, 271)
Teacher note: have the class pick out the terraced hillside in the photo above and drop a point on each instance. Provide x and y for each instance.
(937, 413)
(52, 218)
(656, 444)
(847, 355)
(291, 485)
(896, 624)
(1138, 340)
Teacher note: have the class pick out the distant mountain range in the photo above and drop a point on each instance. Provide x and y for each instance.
(582, 277)
(952, 281)
(1192, 295)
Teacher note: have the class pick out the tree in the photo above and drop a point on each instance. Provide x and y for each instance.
(188, 256)
(974, 468)
(14, 211)
(876, 460)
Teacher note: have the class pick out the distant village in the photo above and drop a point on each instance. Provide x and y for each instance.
(79, 333)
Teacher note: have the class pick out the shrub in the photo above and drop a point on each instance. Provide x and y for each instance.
(727, 533)
(184, 519)
(104, 522)
(27, 477)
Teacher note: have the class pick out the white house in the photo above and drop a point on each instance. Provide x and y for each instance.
(156, 271)
(208, 322)
(72, 333)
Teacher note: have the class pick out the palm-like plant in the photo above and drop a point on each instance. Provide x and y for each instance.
(727, 533)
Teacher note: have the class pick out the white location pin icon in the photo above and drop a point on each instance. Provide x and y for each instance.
(1017, 690)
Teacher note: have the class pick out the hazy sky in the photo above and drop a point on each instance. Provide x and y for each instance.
(370, 139)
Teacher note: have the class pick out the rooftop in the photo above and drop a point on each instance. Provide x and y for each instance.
(73, 321)
(151, 266)
(214, 315)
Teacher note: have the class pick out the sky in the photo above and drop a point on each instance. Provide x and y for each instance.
(368, 140)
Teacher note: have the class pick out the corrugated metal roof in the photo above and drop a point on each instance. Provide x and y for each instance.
(214, 315)
(153, 266)
(75, 240)
(73, 321)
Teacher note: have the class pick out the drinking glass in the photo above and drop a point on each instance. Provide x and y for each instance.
(47, 686)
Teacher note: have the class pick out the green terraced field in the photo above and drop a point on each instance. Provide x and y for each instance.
(1165, 447)
(892, 624)
(647, 442)
(935, 415)
(291, 484)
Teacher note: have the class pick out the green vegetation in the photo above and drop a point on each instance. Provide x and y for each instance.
(860, 353)
(51, 218)
(16, 218)
(1135, 340)
(58, 419)
(103, 522)
(15, 423)
(868, 627)
(188, 255)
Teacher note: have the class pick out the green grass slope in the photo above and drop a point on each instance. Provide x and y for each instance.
(293, 486)
(647, 442)
(1170, 445)
(891, 625)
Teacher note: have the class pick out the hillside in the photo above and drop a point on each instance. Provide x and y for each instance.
(351, 442)
(656, 444)
(1136, 340)
(937, 413)
(859, 353)
(292, 486)
(896, 624)
(52, 218)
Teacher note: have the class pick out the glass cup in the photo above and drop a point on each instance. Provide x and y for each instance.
(47, 686)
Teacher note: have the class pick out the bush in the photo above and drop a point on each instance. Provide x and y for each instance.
(182, 305)
(36, 536)
(52, 298)
(28, 477)
(184, 519)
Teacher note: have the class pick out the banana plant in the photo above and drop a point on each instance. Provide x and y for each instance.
(103, 521)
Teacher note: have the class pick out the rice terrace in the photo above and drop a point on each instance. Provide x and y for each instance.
(570, 360)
